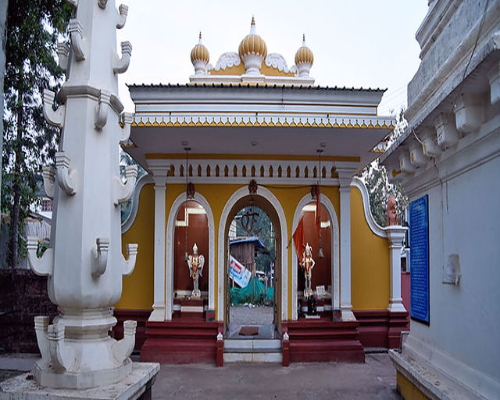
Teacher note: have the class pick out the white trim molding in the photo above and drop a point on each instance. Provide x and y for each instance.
(375, 228)
(271, 198)
(325, 201)
(142, 181)
(172, 216)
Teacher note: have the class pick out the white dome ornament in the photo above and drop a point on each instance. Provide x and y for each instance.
(304, 59)
(200, 58)
(195, 264)
(252, 51)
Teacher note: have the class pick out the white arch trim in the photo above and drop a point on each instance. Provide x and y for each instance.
(172, 216)
(335, 253)
(143, 181)
(269, 196)
(376, 228)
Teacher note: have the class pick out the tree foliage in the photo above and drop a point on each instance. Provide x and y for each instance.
(263, 229)
(377, 182)
(33, 27)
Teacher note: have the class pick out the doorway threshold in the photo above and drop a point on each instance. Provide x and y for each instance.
(248, 332)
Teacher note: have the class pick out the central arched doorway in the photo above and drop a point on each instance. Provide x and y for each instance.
(251, 278)
(267, 203)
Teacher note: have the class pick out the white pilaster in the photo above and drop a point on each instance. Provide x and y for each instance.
(159, 312)
(345, 179)
(395, 237)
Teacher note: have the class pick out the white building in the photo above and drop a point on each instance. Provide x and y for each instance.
(449, 158)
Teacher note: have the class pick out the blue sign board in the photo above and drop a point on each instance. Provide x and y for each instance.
(419, 259)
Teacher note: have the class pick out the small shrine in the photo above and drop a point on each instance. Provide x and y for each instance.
(252, 147)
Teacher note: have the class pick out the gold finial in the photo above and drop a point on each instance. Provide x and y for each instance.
(303, 37)
(200, 34)
(253, 21)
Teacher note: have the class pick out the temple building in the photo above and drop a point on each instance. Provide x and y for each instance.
(448, 162)
(251, 136)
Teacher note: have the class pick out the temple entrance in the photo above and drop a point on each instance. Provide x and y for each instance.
(191, 261)
(252, 272)
(314, 277)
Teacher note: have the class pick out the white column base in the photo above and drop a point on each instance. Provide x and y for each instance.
(158, 314)
(396, 305)
(347, 314)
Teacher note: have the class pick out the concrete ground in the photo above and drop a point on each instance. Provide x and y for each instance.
(248, 315)
(376, 379)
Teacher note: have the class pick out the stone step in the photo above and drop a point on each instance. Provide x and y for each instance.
(261, 357)
(249, 345)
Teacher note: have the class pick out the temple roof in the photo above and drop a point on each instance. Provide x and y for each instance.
(255, 85)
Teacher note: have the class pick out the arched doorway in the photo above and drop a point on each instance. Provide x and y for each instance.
(251, 278)
(267, 202)
(330, 243)
(177, 280)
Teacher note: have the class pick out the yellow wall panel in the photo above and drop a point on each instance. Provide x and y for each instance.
(370, 270)
(138, 287)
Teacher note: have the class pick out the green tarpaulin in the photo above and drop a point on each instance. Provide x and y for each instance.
(246, 295)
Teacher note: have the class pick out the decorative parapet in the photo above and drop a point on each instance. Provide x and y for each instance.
(141, 120)
(246, 170)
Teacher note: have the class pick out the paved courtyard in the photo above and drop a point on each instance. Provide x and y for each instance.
(376, 379)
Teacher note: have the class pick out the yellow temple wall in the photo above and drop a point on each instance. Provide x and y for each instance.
(369, 253)
(370, 279)
(137, 291)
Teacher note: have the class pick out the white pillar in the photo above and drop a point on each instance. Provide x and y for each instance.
(395, 237)
(345, 252)
(160, 179)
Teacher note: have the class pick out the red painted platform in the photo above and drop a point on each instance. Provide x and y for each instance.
(380, 328)
(322, 340)
(181, 341)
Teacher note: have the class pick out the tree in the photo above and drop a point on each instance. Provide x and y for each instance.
(377, 183)
(33, 27)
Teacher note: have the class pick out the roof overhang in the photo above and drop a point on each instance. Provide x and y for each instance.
(244, 120)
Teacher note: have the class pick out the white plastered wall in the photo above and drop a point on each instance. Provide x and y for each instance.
(463, 333)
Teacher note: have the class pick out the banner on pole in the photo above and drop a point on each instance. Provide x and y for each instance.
(239, 273)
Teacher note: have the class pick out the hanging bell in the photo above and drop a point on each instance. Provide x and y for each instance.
(320, 252)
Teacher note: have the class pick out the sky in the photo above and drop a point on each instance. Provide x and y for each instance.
(356, 43)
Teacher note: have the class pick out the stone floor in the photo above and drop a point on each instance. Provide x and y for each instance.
(246, 315)
(374, 380)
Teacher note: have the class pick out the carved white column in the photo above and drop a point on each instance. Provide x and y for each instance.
(395, 237)
(85, 265)
(345, 178)
(160, 179)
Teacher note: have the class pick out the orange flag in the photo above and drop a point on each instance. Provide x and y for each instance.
(298, 239)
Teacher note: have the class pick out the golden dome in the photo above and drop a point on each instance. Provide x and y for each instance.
(252, 44)
(200, 53)
(304, 54)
